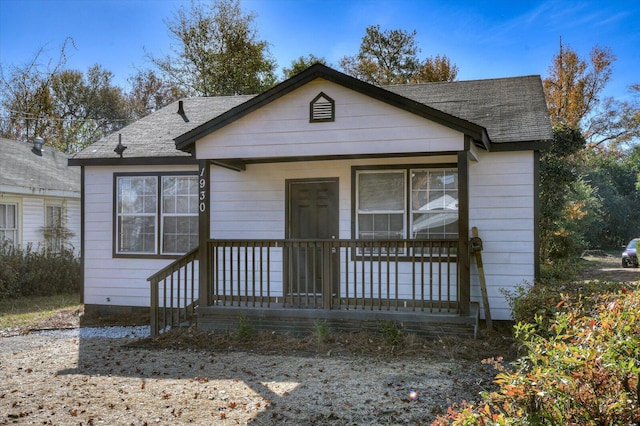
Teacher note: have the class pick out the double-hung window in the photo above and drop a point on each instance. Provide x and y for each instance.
(406, 203)
(53, 227)
(9, 223)
(156, 214)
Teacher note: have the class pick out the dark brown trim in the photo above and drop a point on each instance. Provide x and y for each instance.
(520, 146)
(536, 216)
(186, 140)
(464, 266)
(204, 233)
(114, 223)
(140, 161)
(404, 167)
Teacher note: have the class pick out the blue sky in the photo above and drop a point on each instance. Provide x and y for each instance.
(486, 39)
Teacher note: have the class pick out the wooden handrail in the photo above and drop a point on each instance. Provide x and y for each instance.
(178, 289)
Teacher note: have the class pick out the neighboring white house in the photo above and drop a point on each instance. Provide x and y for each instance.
(39, 197)
(324, 194)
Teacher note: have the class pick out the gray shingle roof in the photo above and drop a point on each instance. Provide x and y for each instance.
(21, 167)
(152, 136)
(511, 109)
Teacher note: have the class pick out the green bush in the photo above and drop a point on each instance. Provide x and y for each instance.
(546, 298)
(583, 368)
(27, 272)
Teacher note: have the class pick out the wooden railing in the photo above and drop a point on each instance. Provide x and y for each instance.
(416, 275)
(173, 293)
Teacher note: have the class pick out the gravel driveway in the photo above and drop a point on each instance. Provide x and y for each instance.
(80, 377)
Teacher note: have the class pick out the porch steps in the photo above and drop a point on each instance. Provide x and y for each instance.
(301, 321)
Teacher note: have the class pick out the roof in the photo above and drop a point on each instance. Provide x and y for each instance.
(509, 111)
(512, 109)
(23, 167)
(153, 136)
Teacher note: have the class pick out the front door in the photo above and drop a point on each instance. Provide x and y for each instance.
(313, 268)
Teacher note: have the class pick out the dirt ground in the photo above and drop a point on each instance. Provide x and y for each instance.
(189, 377)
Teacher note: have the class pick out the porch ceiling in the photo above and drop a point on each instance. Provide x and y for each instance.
(240, 164)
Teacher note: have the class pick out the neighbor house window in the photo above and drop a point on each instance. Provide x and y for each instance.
(9, 223)
(156, 214)
(53, 228)
(407, 203)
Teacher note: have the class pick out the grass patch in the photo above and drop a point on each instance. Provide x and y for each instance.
(28, 313)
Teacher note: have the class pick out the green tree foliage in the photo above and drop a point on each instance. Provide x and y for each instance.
(69, 109)
(301, 64)
(391, 57)
(559, 172)
(217, 52)
(615, 175)
(85, 108)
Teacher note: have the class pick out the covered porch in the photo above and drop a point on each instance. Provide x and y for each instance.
(289, 284)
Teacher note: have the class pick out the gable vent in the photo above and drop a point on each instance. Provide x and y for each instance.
(322, 108)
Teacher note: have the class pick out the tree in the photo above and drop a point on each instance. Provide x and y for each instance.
(385, 57)
(85, 108)
(438, 68)
(574, 86)
(559, 172)
(149, 93)
(217, 52)
(391, 57)
(25, 98)
(301, 64)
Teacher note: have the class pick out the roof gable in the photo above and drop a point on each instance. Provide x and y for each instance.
(186, 141)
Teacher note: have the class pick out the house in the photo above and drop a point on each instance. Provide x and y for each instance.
(322, 198)
(39, 197)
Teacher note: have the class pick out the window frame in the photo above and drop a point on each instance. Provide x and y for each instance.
(158, 215)
(16, 231)
(407, 195)
(55, 244)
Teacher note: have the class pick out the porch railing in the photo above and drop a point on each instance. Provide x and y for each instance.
(173, 293)
(416, 275)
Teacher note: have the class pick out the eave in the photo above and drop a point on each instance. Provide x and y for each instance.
(186, 141)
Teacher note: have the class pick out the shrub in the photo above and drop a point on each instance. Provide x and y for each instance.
(392, 332)
(245, 330)
(321, 330)
(545, 298)
(27, 272)
(583, 369)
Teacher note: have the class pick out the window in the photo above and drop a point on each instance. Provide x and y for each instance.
(54, 231)
(412, 203)
(156, 214)
(9, 223)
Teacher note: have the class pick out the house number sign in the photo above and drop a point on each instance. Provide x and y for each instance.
(202, 183)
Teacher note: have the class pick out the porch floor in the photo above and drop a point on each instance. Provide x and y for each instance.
(301, 321)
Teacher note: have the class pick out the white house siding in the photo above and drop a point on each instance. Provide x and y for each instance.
(251, 205)
(362, 126)
(108, 280)
(501, 207)
(31, 217)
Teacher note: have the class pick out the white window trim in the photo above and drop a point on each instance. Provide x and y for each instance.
(18, 212)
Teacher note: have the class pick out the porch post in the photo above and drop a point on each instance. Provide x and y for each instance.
(464, 266)
(204, 232)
